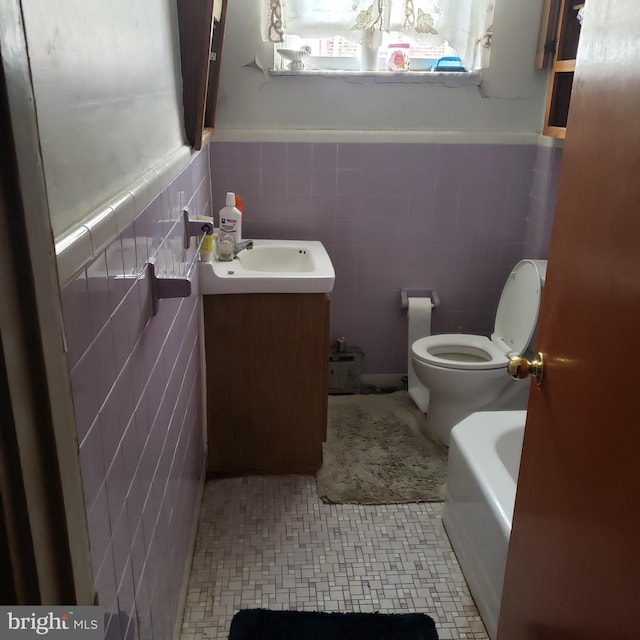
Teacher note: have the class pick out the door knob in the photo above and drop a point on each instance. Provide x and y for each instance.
(520, 368)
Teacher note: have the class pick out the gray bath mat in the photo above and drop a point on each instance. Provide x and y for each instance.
(376, 453)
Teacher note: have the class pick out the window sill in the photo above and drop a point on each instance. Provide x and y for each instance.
(449, 79)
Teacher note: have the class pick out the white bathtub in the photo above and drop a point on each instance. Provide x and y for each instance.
(484, 457)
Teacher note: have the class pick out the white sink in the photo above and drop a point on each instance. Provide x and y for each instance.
(271, 266)
(277, 259)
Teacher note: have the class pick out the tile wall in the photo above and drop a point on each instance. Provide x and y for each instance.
(544, 185)
(137, 391)
(453, 217)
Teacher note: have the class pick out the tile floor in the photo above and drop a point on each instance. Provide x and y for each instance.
(270, 542)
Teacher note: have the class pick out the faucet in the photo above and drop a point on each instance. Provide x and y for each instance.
(239, 246)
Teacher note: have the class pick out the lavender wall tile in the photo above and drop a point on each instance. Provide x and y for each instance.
(75, 311)
(345, 207)
(350, 156)
(445, 228)
(510, 255)
(417, 254)
(394, 208)
(499, 157)
(524, 156)
(473, 183)
(111, 430)
(299, 155)
(143, 607)
(450, 157)
(400, 157)
(134, 407)
(120, 543)
(323, 208)
(400, 182)
(104, 362)
(377, 156)
(540, 185)
(128, 622)
(199, 203)
(298, 181)
(374, 182)
(120, 327)
(274, 180)
(112, 627)
(247, 155)
(424, 156)
(448, 182)
(222, 155)
(323, 182)
(105, 582)
(517, 207)
(198, 171)
(324, 156)
(118, 285)
(175, 200)
(484, 277)
(83, 385)
(274, 155)
(512, 231)
(156, 225)
(473, 157)
(422, 182)
(454, 217)
(99, 297)
(518, 181)
(223, 180)
(544, 159)
(99, 528)
(349, 182)
(247, 182)
(92, 465)
(138, 554)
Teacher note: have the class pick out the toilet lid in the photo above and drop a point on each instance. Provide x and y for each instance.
(517, 314)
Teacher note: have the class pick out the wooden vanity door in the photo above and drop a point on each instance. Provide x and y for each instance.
(267, 359)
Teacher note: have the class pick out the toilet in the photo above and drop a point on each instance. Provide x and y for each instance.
(468, 373)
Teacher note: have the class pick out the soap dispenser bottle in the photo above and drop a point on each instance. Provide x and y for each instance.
(230, 232)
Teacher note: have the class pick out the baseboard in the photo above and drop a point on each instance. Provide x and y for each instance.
(385, 380)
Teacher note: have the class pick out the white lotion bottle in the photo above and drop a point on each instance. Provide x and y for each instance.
(230, 232)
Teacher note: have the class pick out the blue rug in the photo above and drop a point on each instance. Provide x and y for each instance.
(262, 624)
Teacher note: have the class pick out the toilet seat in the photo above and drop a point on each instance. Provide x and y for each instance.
(459, 351)
(514, 327)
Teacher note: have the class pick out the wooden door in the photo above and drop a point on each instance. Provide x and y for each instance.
(573, 570)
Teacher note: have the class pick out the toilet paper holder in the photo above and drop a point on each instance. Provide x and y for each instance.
(405, 294)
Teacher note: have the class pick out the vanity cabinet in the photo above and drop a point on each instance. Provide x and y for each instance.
(267, 382)
(561, 44)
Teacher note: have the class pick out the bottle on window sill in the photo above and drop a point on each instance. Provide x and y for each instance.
(398, 58)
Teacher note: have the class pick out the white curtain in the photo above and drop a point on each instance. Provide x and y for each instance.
(465, 24)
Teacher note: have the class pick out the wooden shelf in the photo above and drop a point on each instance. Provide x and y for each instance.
(561, 13)
(563, 66)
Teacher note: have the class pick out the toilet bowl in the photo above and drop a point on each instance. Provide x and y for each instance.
(468, 373)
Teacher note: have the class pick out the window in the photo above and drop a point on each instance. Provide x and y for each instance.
(339, 34)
